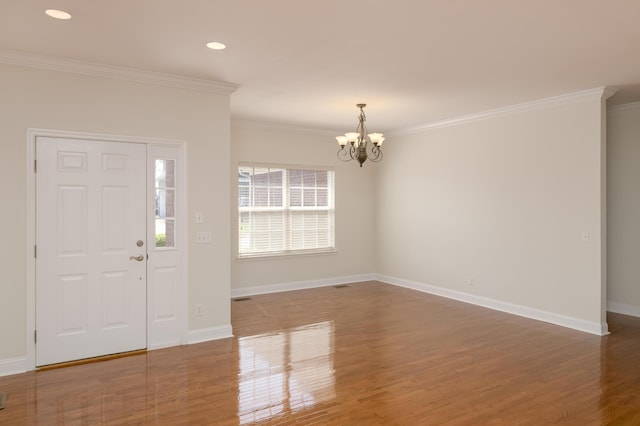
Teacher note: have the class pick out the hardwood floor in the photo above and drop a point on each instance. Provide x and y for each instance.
(366, 354)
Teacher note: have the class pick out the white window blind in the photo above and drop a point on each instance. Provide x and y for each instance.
(284, 210)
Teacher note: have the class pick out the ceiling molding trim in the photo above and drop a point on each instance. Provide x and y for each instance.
(609, 91)
(12, 57)
(280, 127)
(634, 106)
(597, 93)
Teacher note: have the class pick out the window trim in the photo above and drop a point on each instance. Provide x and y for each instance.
(288, 252)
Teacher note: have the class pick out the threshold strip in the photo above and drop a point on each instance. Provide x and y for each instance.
(91, 360)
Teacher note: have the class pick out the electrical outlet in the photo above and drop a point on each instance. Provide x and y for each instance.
(203, 237)
(471, 281)
(199, 310)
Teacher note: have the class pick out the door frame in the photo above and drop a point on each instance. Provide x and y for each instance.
(181, 221)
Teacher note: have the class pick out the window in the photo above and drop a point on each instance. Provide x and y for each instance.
(284, 210)
(165, 202)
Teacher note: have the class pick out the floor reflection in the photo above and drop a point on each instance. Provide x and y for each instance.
(285, 372)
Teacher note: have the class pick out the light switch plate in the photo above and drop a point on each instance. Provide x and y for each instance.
(203, 237)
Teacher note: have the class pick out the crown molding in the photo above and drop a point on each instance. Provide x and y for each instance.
(13, 57)
(597, 93)
(608, 91)
(624, 107)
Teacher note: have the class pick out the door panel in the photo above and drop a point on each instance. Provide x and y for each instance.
(72, 296)
(90, 212)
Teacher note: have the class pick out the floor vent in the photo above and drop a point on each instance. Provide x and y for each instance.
(241, 299)
(340, 286)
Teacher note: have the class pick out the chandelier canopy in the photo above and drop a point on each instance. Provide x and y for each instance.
(359, 148)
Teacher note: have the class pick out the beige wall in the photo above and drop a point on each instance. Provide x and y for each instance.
(355, 207)
(623, 221)
(504, 200)
(35, 98)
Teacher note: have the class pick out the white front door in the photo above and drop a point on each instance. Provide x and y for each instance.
(91, 249)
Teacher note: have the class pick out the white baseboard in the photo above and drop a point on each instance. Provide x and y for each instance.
(208, 334)
(300, 285)
(13, 366)
(599, 329)
(621, 308)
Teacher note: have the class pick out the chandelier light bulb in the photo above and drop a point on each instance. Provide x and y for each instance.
(375, 138)
(352, 137)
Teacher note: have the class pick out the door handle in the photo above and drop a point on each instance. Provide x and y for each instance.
(139, 258)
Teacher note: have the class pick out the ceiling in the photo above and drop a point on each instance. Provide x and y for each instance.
(307, 63)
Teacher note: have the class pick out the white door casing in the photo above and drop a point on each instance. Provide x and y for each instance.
(91, 293)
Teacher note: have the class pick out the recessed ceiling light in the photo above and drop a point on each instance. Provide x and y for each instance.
(216, 45)
(58, 14)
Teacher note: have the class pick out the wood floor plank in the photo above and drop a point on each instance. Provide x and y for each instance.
(365, 354)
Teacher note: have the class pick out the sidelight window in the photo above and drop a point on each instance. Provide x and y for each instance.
(165, 202)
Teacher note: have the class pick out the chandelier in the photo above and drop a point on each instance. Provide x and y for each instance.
(359, 148)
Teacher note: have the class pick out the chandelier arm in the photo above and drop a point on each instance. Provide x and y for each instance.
(376, 155)
(352, 152)
(346, 154)
(342, 155)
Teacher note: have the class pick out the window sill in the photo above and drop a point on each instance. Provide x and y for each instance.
(285, 255)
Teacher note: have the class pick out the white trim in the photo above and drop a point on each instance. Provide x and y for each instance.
(32, 134)
(621, 308)
(329, 168)
(13, 57)
(208, 334)
(299, 285)
(633, 106)
(607, 91)
(183, 240)
(11, 366)
(523, 311)
(285, 255)
(70, 134)
(598, 93)
(30, 248)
